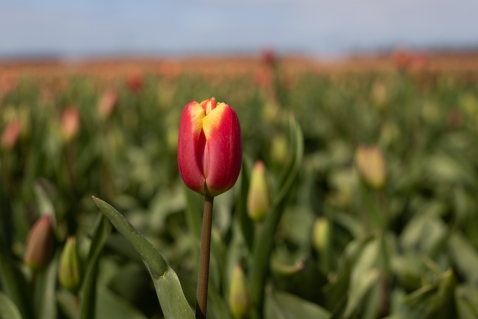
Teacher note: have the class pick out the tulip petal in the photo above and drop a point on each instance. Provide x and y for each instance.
(223, 148)
(191, 145)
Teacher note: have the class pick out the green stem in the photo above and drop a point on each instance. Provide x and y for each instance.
(203, 273)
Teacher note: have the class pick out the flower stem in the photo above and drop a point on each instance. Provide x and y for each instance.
(203, 276)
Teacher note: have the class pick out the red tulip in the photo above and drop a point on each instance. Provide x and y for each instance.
(107, 103)
(70, 122)
(39, 244)
(209, 147)
(11, 133)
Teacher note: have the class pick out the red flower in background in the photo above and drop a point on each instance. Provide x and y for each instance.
(107, 103)
(10, 134)
(70, 122)
(134, 82)
(401, 59)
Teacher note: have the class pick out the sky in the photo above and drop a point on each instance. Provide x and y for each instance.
(186, 27)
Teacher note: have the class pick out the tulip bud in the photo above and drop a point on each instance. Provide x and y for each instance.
(39, 244)
(258, 202)
(134, 82)
(371, 165)
(69, 271)
(279, 151)
(70, 123)
(107, 103)
(321, 234)
(11, 133)
(239, 299)
(209, 147)
(380, 95)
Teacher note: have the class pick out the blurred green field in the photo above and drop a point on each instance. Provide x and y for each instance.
(405, 247)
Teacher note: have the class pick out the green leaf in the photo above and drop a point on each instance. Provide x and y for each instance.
(286, 306)
(44, 294)
(13, 283)
(113, 306)
(335, 291)
(465, 257)
(8, 310)
(245, 222)
(359, 288)
(168, 288)
(264, 244)
(45, 205)
(88, 289)
(193, 218)
(67, 302)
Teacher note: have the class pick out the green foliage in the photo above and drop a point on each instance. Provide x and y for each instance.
(406, 250)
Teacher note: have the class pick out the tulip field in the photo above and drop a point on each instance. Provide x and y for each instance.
(357, 195)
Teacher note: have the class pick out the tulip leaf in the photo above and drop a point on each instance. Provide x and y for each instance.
(44, 294)
(465, 257)
(245, 222)
(264, 244)
(194, 200)
(13, 283)
(67, 302)
(88, 289)
(359, 288)
(45, 205)
(8, 310)
(113, 306)
(287, 306)
(168, 288)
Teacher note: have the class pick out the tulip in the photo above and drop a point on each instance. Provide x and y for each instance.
(279, 151)
(321, 234)
(70, 123)
(371, 165)
(134, 82)
(239, 299)
(209, 161)
(380, 95)
(11, 133)
(107, 103)
(69, 271)
(401, 59)
(39, 244)
(258, 202)
(209, 147)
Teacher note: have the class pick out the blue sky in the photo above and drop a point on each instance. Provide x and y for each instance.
(236, 26)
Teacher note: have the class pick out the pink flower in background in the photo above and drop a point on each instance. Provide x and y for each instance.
(11, 133)
(107, 103)
(70, 122)
(7, 84)
(401, 59)
(39, 244)
(134, 82)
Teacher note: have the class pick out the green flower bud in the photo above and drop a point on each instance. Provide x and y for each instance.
(321, 234)
(70, 267)
(258, 202)
(39, 244)
(279, 151)
(239, 299)
(380, 95)
(321, 240)
(371, 165)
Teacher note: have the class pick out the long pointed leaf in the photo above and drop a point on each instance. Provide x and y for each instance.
(14, 283)
(168, 288)
(8, 310)
(44, 294)
(88, 289)
(263, 246)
